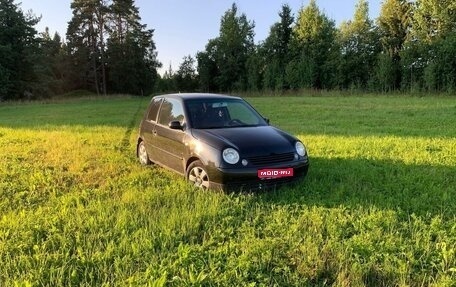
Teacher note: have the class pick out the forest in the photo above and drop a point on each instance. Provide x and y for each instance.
(408, 48)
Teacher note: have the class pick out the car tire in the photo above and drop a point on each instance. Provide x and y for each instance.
(197, 175)
(142, 154)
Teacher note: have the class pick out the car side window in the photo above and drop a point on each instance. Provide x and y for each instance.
(171, 110)
(153, 112)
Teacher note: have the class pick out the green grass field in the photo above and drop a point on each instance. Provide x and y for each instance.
(378, 207)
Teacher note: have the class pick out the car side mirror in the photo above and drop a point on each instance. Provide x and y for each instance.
(175, 125)
(267, 120)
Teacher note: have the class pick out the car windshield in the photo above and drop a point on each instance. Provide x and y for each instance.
(223, 113)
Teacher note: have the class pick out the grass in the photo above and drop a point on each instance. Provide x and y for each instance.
(376, 209)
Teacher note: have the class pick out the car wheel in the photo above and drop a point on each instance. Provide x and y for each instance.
(197, 175)
(142, 154)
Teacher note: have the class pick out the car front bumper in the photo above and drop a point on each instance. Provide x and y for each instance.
(246, 179)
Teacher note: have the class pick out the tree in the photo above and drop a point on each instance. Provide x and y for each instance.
(383, 74)
(358, 42)
(186, 80)
(229, 52)
(18, 49)
(433, 19)
(110, 48)
(276, 50)
(254, 70)
(125, 18)
(207, 68)
(394, 23)
(235, 43)
(51, 64)
(86, 40)
(132, 56)
(431, 38)
(313, 50)
(440, 71)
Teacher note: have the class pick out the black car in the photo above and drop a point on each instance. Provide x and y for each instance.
(218, 142)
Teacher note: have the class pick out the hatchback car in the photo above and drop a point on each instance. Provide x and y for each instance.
(218, 142)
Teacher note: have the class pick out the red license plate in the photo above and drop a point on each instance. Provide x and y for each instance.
(275, 172)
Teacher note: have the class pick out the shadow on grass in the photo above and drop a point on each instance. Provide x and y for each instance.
(422, 190)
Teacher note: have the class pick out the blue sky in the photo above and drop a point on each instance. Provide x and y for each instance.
(183, 27)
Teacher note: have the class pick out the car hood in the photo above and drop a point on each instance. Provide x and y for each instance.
(248, 140)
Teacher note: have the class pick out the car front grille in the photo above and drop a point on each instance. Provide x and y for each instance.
(271, 159)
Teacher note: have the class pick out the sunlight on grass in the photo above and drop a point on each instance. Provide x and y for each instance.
(406, 150)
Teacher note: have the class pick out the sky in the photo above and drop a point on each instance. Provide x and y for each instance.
(183, 27)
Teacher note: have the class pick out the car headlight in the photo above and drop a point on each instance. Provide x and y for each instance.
(230, 155)
(300, 148)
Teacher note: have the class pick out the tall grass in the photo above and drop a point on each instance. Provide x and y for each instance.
(376, 209)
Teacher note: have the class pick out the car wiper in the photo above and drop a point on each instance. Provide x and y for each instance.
(243, 126)
(211, 128)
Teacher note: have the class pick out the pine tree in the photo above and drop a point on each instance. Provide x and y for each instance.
(49, 79)
(86, 40)
(131, 51)
(18, 50)
(186, 80)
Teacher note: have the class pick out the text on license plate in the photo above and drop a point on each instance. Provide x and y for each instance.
(275, 172)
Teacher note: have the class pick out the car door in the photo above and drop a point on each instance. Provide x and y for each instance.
(170, 142)
(149, 129)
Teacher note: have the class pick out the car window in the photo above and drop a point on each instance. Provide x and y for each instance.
(224, 113)
(240, 111)
(171, 110)
(153, 112)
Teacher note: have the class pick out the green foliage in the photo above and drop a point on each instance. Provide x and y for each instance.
(377, 208)
(394, 23)
(313, 49)
(132, 59)
(50, 65)
(129, 53)
(207, 67)
(254, 71)
(384, 73)
(224, 62)
(86, 41)
(275, 51)
(234, 44)
(18, 49)
(433, 19)
(186, 78)
(440, 72)
(401, 50)
(408, 48)
(359, 48)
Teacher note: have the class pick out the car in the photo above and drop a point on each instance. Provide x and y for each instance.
(218, 142)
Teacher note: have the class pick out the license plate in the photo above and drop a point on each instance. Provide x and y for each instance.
(270, 173)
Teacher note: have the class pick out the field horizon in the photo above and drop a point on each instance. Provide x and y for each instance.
(376, 209)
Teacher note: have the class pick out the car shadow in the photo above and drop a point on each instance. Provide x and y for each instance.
(353, 183)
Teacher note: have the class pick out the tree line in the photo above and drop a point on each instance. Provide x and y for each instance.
(107, 50)
(409, 47)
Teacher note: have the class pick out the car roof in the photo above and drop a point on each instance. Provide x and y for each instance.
(185, 96)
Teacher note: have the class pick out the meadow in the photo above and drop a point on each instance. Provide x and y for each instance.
(378, 207)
